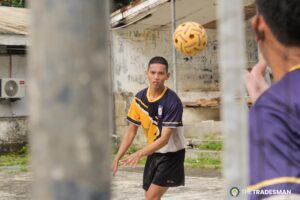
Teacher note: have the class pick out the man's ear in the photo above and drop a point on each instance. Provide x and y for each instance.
(258, 25)
(168, 75)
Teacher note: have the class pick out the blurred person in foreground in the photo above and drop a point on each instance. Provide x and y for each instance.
(274, 118)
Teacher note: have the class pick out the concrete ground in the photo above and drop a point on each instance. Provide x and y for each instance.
(126, 185)
(199, 184)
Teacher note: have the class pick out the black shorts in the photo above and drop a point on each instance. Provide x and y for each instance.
(164, 169)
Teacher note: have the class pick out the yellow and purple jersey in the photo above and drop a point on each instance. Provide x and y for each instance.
(275, 138)
(164, 111)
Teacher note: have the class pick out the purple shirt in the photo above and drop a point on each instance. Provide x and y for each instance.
(275, 137)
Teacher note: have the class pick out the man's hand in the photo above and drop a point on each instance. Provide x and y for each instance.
(126, 142)
(255, 81)
(133, 159)
(114, 167)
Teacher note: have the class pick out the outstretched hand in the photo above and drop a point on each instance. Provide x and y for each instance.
(132, 160)
(255, 81)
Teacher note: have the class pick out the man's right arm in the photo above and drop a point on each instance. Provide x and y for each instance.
(255, 81)
(125, 144)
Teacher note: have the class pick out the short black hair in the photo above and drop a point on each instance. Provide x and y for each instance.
(159, 60)
(283, 18)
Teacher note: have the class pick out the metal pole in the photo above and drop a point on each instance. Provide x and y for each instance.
(173, 4)
(232, 61)
(70, 99)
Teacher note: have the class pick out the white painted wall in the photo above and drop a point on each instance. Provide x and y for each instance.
(13, 115)
(11, 39)
(18, 70)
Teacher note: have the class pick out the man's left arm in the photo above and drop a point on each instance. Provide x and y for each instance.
(134, 158)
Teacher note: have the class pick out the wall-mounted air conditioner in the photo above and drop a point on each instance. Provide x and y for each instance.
(12, 88)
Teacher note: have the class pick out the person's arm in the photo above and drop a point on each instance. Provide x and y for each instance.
(126, 142)
(255, 81)
(134, 158)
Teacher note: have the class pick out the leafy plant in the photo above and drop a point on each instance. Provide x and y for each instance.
(13, 3)
(203, 161)
(19, 159)
(210, 145)
(133, 149)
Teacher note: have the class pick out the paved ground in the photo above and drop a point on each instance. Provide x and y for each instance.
(206, 185)
(15, 185)
(126, 185)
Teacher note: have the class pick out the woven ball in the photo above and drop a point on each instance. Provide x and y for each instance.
(190, 38)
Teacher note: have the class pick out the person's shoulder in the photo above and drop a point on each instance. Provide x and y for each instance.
(172, 95)
(172, 98)
(287, 87)
(141, 94)
(281, 95)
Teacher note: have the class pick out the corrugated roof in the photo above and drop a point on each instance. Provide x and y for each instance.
(14, 20)
(157, 13)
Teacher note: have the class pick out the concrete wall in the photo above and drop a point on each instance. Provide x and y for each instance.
(11, 39)
(198, 77)
(13, 114)
(13, 133)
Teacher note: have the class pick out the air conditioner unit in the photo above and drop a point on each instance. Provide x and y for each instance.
(12, 88)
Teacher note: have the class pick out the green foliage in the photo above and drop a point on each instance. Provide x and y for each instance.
(133, 149)
(210, 145)
(24, 150)
(13, 3)
(19, 159)
(130, 150)
(143, 161)
(211, 142)
(203, 161)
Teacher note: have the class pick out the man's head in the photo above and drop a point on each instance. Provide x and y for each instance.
(157, 72)
(283, 19)
(159, 60)
(276, 26)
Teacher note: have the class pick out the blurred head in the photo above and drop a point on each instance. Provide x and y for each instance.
(276, 26)
(157, 72)
(283, 19)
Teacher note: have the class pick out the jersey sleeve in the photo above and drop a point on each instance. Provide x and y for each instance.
(173, 115)
(133, 115)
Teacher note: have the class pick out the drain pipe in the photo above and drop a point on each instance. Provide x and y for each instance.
(173, 48)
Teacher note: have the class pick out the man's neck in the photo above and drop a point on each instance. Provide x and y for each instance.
(155, 92)
(283, 59)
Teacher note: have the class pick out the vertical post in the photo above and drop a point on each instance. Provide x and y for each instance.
(70, 106)
(173, 9)
(232, 64)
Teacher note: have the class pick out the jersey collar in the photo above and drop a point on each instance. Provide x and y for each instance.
(157, 98)
(294, 68)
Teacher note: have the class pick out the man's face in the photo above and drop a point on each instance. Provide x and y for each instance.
(157, 75)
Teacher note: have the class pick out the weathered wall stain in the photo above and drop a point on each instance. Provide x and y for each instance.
(13, 134)
(199, 73)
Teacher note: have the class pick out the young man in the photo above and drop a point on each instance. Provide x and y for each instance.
(159, 111)
(275, 116)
